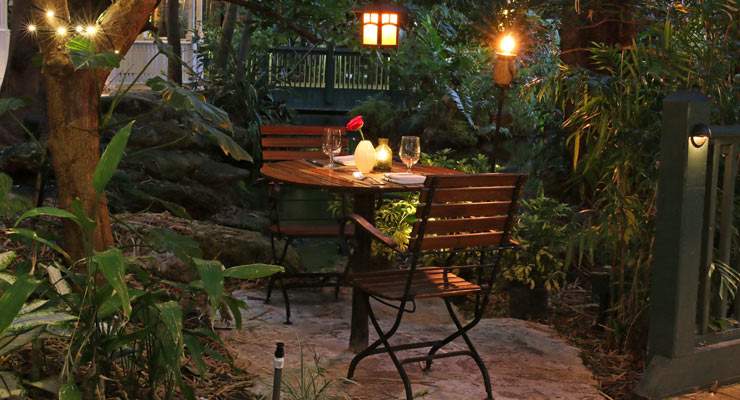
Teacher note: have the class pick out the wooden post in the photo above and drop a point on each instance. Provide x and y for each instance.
(679, 226)
(329, 70)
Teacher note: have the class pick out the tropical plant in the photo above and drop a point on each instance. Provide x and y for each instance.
(544, 230)
(131, 331)
(613, 134)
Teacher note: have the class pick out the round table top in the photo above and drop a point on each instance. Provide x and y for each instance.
(308, 173)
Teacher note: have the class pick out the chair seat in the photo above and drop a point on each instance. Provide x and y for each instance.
(427, 283)
(307, 230)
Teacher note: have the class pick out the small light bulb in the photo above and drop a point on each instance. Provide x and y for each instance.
(116, 52)
(62, 31)
(91, 30)
(31, 28)
(50, 14)
(79, 28)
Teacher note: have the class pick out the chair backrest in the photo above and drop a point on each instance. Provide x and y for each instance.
(293, 142)
(464, 211)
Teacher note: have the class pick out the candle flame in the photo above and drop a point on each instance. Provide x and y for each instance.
(507, 45)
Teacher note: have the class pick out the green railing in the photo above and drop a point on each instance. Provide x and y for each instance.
(694, 340)
(327, 68)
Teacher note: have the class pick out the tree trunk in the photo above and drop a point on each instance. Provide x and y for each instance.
(73, 109)
(609, 22)
(74, 143)
(245, 45)
(227, 34)
(162, 21)
(174, 66)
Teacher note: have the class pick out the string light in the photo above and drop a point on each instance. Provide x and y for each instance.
(62, 31)
(91, 30)
(50, 14)
(31, 28)
(79, 29)
(116, 52)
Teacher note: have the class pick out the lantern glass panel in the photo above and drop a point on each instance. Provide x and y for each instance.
(390, 33)
(370, 34)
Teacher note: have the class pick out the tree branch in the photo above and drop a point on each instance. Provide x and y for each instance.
(268, 12)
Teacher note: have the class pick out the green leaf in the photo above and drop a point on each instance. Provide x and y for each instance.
(253, 271)
(32, 235)
(39, 318)
(10, 385)
(182, 246)
(33, 306)
(49, 212)
(196, 352)
(113, 267)
(235, 306)
(69, 391)
(13, 299)
(84, 55)
(113, 303)
(6, 258)
(170, 315)
(211, 274)
(110, 158)
(10, 104)
(9, 278)
(6, 185)
(12, 342)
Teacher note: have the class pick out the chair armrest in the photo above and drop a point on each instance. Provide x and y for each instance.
(361, 222)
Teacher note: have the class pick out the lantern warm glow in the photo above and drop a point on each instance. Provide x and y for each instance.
(380, 26)
(507, 46)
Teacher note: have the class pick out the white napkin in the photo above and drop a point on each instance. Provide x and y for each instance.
(345, 160)
(405, 178)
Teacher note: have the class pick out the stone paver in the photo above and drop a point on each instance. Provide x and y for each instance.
(724, 393)
(526, 360)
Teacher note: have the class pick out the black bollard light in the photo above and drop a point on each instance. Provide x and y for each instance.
(278, 363)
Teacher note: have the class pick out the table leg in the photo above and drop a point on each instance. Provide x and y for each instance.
(364, 205)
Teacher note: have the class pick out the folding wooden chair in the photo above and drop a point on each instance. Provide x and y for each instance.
(297, 142)
(463, 220)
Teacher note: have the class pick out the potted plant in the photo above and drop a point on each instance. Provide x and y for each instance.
(544, 230)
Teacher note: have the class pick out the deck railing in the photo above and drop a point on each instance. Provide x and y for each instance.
(328, 68)
(694, 339)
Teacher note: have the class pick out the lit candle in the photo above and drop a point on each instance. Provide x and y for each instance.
(383, 156)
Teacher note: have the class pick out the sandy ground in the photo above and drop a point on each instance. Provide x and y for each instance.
(526, 360)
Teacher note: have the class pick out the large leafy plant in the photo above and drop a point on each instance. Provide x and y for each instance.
(131, 331)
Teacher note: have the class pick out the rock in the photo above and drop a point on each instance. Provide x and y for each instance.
(177, 165)
(241, 218)
(231, 246)
(22, 157)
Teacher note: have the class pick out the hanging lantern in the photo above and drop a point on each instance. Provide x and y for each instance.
(381, 25)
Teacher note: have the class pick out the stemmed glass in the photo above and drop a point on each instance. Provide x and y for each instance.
(410, 151)
(332, 144)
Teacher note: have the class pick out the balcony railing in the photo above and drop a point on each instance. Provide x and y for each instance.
(328, 68)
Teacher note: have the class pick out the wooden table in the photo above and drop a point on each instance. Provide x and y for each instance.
(364, 192)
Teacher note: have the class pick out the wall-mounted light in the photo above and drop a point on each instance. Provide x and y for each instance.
(699, 135)
(381, 25)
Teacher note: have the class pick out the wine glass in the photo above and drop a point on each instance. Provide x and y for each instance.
(410, 151)
(332, 144)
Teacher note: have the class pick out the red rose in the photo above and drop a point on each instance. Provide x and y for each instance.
(355, 124)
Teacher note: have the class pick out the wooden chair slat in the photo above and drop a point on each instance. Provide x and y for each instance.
(458, 210)
(461, 241)
(463, 225)
(274, 155)
(426, 283)
(295, 129)
(478, 180)
(480, 194)
(291, 142)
